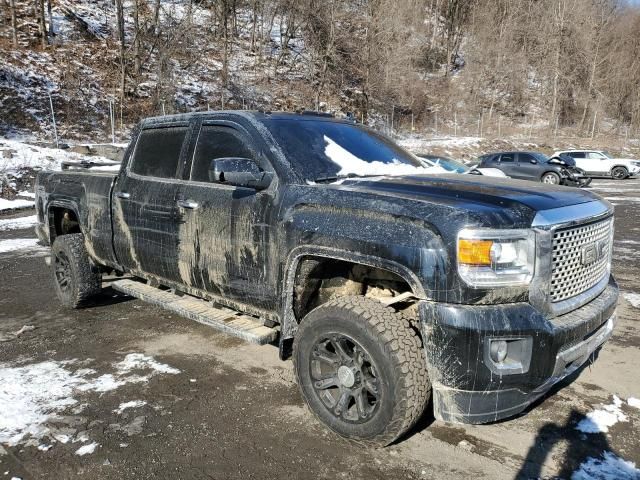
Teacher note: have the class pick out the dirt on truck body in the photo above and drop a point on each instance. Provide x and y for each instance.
(388, 286)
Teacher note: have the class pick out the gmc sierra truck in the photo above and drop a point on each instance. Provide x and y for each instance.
(388, 286)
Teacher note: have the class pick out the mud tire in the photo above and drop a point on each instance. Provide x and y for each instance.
(399, 358)
(75, 276)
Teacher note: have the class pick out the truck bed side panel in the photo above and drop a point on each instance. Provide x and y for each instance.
(89, 196)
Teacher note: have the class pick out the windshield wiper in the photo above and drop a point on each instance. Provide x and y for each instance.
(335, 178)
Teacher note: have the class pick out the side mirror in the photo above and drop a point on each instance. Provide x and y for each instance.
(240, 172)
(534, 161)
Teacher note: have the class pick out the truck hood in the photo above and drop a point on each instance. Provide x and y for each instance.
(471, 189)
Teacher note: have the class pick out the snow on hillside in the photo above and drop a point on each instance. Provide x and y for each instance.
(19, 161)
(16, 155)
(79, 72)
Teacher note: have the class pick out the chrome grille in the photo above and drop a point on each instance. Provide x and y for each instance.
(581, 258)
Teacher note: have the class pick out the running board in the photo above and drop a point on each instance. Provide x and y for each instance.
(223, 319)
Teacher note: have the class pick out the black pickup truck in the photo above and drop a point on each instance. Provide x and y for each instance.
(387, 285)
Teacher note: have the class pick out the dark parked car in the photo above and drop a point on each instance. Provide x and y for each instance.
(538, 167)
(388, 287)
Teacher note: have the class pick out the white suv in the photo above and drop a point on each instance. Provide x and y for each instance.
(600, 164)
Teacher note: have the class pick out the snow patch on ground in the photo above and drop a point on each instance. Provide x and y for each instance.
(18, 223)
(22, 245)
(599, 421)
(415, 143)
(16, 204)
(623, 199)
(139, 361)
(87, 449)
(34, 395)
(132, 404)
(634, 402)
(610, 467)
(633, 299)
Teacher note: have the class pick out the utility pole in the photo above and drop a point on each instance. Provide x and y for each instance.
(112, 120)
(393, 109)
(455, 123)
(436, 119)
(53, 121)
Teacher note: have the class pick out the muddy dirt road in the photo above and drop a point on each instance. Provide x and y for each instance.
(124, 390)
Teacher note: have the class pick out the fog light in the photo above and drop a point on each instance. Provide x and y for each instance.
(498, 350)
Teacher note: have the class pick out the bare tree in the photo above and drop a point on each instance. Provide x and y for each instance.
(597, 21)
(42, 29)
(50, 15)
(137, 48)
(560, 20)
(14, 23)
(122, 42)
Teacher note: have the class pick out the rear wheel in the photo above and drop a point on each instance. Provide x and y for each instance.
(619, 173)
(361, 369)
(551, 178)
(75, 276)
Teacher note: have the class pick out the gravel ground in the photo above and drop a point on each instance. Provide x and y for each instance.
(125, 390)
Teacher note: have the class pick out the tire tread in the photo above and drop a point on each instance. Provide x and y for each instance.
(87, 277)
(404, 348)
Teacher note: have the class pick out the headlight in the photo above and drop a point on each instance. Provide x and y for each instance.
(494, 258)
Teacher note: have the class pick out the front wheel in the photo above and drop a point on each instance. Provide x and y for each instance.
(361, 369)
(619, 173)
(551, 178)
(75, 276)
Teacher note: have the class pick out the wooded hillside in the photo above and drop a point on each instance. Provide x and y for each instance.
(451, 66)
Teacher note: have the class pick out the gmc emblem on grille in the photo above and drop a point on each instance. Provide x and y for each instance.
(592, 252)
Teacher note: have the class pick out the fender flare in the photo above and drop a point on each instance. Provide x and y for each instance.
(619, 165)
(289, 323)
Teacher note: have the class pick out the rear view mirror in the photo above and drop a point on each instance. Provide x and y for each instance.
(240, 172)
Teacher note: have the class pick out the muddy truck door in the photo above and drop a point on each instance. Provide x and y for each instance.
(225, 237)
(145, 210)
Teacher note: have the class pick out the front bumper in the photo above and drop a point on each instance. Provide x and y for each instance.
(573, 176)
(466, 387)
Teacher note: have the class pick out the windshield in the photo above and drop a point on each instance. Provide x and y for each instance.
(453, 165)
(321, 150)
(447, 164)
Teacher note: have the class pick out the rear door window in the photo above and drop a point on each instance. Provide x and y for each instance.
(577, 154)
(506, 158)
(216, 142)
(158, 152)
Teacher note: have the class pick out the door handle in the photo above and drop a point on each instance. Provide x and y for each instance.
(187, 204)
(123, 195)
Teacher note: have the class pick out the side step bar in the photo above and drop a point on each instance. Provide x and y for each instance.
(201, 311)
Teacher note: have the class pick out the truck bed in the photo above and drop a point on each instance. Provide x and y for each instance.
(88, 196)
